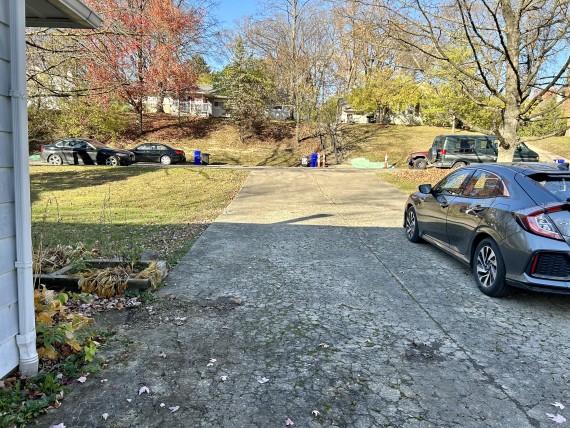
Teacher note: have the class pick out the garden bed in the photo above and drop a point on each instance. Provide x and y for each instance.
(135, 276)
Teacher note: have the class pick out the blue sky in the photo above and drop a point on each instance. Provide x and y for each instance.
(231, 10)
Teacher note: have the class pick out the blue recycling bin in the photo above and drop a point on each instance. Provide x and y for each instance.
(313, 160)
(197, 157)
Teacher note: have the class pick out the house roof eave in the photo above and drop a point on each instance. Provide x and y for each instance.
(61, 14)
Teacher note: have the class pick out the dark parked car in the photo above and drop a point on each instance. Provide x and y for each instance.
(81, 151)
(418, 160)
(509, 222)
(155, 152)
(457, 150)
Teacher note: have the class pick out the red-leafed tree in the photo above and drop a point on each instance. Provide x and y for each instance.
(144, 48)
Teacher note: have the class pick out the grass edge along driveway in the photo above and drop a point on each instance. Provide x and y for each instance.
(123, 211)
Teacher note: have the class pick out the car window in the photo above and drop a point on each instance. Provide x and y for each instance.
(78, 144)
(451, 144)
(454, 184)
(143, 147)
(485, 184)
(59, 143)
(160, 147)
(557, 185)
(465, 145)
(487, 146)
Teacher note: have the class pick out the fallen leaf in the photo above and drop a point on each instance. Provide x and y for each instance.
(129, 399)
(105, 416)
(162, 405)
(315, 413)
(559, 419)
(559, 405)
(58, 426)
(162, 355)
(174, 409)
(209, 364)
(213, 360)
(82, 379)
(143, 390)
(224, 378)
(263, 380)
(289, 422)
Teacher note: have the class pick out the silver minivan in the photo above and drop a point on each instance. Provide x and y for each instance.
(455, 151)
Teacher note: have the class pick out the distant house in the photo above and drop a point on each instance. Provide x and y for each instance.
(201, 101)
(280, 112)
(17, 317)
(347, 114)
(410, 116)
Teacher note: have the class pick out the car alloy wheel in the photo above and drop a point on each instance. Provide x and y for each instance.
(165, 160)
(55, 160)
(486, 266)
(412, 230)
(113, 161)
(489, 269)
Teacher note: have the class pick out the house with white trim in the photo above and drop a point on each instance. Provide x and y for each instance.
(201, 101)
(17, 318)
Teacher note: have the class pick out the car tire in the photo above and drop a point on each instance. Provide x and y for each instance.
(457, 165)
(165, 160)
(112, 161)
(489, 269)
(55, 159)
(411, 225)
(420, 163)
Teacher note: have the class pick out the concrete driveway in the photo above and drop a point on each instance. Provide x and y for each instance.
(304, 302)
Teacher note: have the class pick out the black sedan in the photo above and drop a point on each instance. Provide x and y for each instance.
(155, 152)
(509, 222)
(81, 151)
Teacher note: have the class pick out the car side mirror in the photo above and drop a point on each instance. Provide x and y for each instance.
(425, 188)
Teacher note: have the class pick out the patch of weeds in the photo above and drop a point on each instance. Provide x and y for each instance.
(144, 296)
(66, 347)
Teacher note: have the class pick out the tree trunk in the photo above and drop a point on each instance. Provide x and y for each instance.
(566, 105)
(509, 128)
(160, 101)
(139, 110)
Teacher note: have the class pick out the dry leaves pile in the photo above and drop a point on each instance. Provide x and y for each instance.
(53, 259)
(112, 282)
(431, 176)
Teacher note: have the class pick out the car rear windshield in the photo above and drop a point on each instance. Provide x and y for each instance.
(557, 185)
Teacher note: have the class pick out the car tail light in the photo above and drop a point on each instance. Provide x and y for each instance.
(443, 152)
(179, 152)
(539, 223)
(42, 149)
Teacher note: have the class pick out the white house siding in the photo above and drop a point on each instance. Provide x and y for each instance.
(9, 357)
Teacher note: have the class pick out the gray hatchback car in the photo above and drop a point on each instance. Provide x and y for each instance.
(457, 150)
(509, 222)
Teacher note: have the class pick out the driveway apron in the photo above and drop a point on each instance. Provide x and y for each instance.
(303, 302)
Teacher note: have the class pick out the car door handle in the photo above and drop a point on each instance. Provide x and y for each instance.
(476, 209)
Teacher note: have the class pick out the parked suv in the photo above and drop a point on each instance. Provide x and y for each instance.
(455, 151)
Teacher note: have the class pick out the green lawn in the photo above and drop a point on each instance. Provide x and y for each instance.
(123, 211)
(557, 145)
(373, 141)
